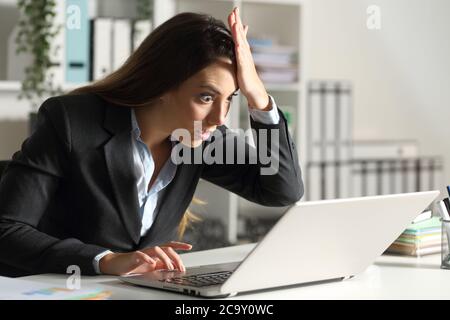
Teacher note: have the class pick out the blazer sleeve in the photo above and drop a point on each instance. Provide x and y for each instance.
(253, 180)
(26, 189)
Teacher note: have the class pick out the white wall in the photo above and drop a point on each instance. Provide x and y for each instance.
(401, 73)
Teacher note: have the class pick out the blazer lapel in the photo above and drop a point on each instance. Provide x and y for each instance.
(119, 161)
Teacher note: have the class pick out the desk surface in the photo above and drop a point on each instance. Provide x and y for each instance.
(390, 277)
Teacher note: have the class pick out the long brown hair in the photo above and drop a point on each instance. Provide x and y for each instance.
(172, 53)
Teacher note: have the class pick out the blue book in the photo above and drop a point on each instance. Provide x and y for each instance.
(77, 41)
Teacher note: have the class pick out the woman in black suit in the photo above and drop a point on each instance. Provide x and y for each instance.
(97, 184)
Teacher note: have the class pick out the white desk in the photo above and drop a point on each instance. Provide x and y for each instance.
(390, 277)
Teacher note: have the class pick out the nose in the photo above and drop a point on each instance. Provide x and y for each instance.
(218, 114)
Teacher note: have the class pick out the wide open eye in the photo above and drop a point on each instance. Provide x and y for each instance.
(206, 97)
(230, 98)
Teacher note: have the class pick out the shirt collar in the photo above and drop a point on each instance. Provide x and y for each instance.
(134, 125)
(136, 131)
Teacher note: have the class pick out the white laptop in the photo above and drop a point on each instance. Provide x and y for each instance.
(313, 241)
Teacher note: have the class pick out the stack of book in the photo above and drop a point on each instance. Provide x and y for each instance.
(274, 63)
(420, 238)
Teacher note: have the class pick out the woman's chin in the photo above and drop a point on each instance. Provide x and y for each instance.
(194, 143)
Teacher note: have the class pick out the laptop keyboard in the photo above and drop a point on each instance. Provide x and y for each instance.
(201, 280)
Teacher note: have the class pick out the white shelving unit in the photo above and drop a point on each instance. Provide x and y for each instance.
(281, 19)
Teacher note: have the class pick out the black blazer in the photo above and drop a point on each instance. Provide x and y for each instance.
(70, 192)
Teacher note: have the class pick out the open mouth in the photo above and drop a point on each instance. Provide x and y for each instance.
(202, 134)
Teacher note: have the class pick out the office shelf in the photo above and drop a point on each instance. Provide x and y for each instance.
(11, 3)
(9, 86)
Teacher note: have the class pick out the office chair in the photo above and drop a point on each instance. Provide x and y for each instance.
(5, 270)
(3, 165)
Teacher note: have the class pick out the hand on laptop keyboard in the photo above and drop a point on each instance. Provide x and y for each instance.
(145, 260)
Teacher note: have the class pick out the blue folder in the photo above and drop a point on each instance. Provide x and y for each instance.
(77, 41)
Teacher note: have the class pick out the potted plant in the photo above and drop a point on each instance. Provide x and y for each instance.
(36, 31)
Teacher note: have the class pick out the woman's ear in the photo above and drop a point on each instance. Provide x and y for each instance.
(161, 100)
(164, 98)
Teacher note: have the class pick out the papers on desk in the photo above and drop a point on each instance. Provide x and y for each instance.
(16, 289)
(419, 239)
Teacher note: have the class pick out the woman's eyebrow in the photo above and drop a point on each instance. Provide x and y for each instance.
(214, 89)
(210, 87)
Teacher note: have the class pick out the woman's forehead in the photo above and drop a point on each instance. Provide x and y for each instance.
(219, 74)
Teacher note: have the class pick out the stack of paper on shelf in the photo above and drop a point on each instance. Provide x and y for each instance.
(419, 239)
(274, 63)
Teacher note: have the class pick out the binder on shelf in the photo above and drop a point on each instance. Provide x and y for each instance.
(141, 29)
(344, 113)
(121, 42)
(331, 180)
(56, 70)
(358, 181)
(330, 119)
(77, 41)
(313, 181)
(388, 176)
(373, 179)
(314, 126)
(407, 175)
(397, 174)
(345, 185)
(387, 179)
(329, 138)
(101, 47)
(431, 176)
